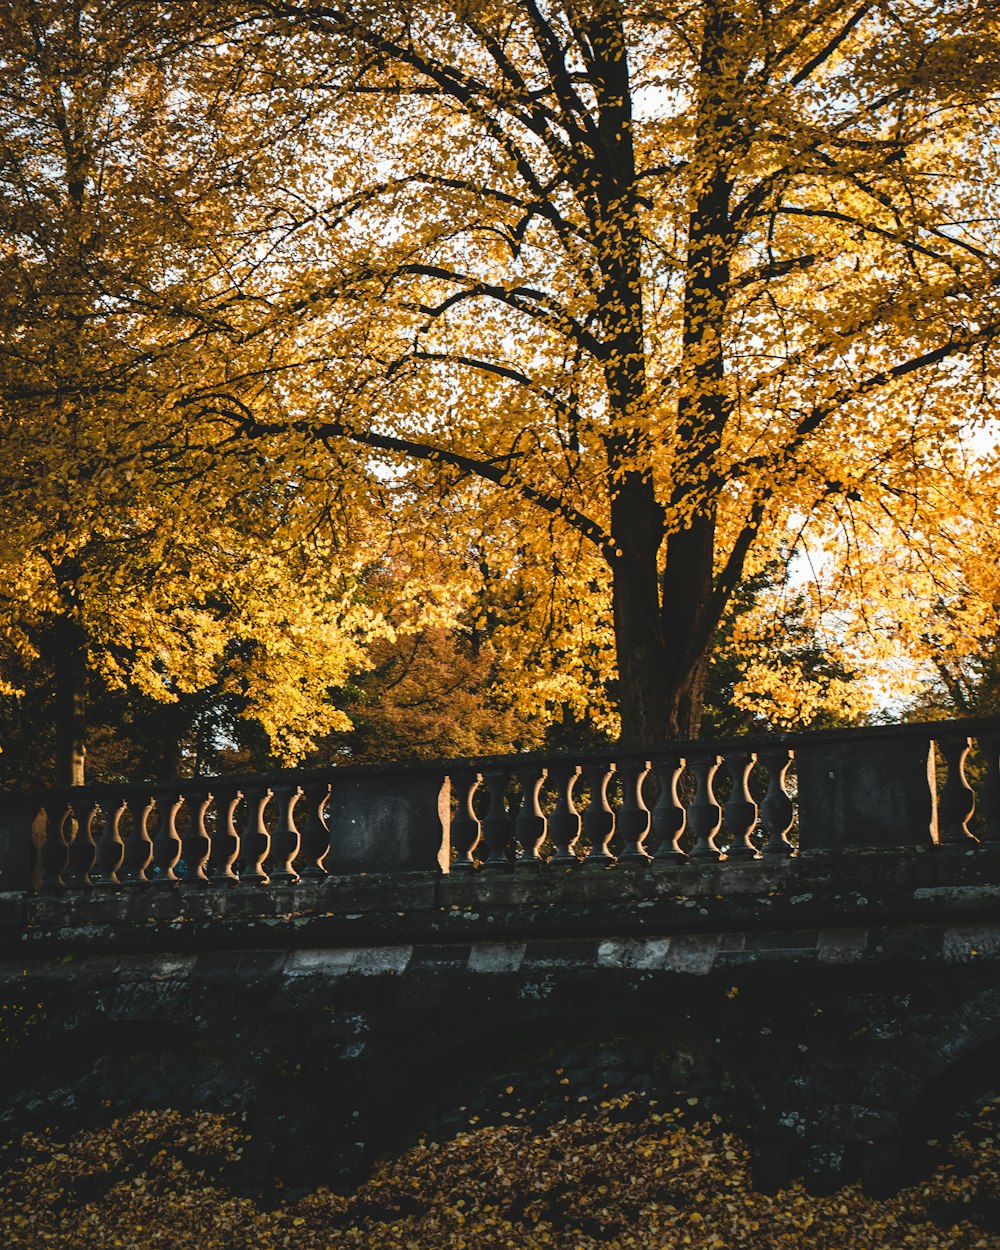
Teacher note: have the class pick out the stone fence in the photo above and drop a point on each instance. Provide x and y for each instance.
(729, 800)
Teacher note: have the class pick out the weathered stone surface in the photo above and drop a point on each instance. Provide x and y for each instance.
(16, 852)
(834, 1002)
(374, 827)
(833, 889)
(496, 957)
(634, 953)
(853, 793)
(841, 946)
(692, 954)
(318, 963)
(971, 942)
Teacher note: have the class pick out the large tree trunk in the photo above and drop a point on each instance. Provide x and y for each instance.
(663, 630)
(664, 654)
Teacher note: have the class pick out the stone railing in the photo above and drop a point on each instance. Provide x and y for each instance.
(740, 799)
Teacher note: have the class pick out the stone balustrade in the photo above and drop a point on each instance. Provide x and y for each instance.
(734, 800)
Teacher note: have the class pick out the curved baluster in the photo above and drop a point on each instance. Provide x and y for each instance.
(195, 845)
(599, 818)
(314, 836)
(498, 828)
(740, 809)
(669, 820)
(82, 850)
(225, 839)
(564, 823)
(110, 847)
(465, 828)
(530, 826)
(777, 812)
(55, 849)
(166, 841)
(957, 802)
(138, 845)
(256, 841)
(633, 818)
(989, 793)
(704, 813)
(286, 839)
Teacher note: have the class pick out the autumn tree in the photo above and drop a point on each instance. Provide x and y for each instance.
(671, 280)
(920, 595)
(140, 189)
(218, 638)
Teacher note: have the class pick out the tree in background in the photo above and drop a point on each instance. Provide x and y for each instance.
(140, 190)
(925, 585)
(673, 281)
(777, 664)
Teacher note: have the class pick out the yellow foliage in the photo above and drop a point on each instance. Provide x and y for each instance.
(581, 313)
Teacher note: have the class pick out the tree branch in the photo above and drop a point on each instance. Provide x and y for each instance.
(496, 470)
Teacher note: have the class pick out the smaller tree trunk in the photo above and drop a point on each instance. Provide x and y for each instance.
(71, 699)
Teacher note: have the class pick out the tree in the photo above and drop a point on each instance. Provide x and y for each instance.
(925, 582)
(140, 187)
(672, 279)
(777, 664)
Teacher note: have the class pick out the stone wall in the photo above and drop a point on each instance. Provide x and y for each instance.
(837, 1007)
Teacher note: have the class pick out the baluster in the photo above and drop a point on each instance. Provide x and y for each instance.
(704, 813)
(166, 841)
(286, 839)
(776, 810)
(633, 819)
(530, 826)
(314, 836)
(55, 850)
(740, 809)
(225, 840)
(564, 823)
(465, 828)
(110, 847)
(195, 845)
(599, 818)
(669, 819)
(498, 828)
(138, 844)
(82, 848)
(989, 793)
(256, 841)
(957, 802)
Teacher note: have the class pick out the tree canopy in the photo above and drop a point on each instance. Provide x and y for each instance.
(562, 326)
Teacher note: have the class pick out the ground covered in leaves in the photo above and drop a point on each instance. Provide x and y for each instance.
(623, 1174)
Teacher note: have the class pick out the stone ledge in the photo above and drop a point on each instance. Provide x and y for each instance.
(822, 891)
(691, 954)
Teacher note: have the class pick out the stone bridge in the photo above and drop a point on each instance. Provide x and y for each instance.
(799, 935)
